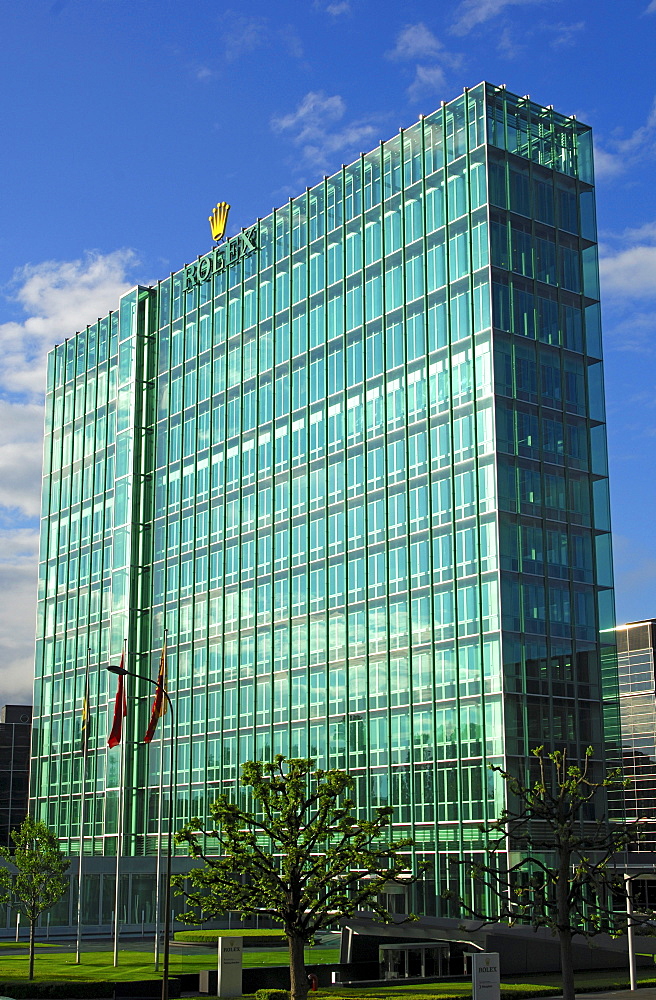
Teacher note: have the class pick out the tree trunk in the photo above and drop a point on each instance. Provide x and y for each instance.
(564, 923)
(297, 974)
(566, 964)
(31, 972)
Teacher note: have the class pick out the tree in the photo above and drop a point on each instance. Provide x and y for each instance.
(300, 858)
(39, 879)
(565, 879)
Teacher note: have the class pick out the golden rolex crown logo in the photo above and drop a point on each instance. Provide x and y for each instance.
(219, 220)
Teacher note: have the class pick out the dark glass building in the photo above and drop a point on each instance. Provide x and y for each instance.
(354, 461)
(15, 739)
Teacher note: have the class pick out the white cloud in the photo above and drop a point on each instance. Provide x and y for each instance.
(630, 330)
(416, 41)
(630, 272)
(516, 37)
(315, 111)
(619, 154)
(18, 573)
(607, 165)
(313, 128)
(646, 232)
(57, 298)
(627, 263)
(651, 9)
(565, 34)
(508, 47)
(291, 42)
(474, 12)
(21, 434)
(204, 74)
(242, 35)
(342, 7)
(428, 80)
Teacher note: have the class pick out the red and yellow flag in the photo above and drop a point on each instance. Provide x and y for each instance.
(160, 705)
(120, 710)
(86, 715)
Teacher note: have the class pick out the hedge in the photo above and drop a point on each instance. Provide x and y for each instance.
(56, 990)
(252, 938)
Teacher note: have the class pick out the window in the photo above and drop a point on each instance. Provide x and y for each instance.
(420, 563)
(398, 574)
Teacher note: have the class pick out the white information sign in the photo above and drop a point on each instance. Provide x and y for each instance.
(230, 965)
(486, 984)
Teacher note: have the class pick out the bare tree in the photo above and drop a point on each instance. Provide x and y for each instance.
(566, 877)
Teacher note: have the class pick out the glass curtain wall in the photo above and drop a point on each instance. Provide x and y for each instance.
(359, 476)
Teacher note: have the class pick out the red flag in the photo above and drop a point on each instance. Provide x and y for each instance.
(120, 710)
(160, 706)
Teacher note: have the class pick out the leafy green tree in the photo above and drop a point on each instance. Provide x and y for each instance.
(36, 877)
(300, 857)
(565, 879)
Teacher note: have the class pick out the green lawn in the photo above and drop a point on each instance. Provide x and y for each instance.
(97, 965)
(280, 956)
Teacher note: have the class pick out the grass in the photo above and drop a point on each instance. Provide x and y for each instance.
(279, 956)
(96, 966)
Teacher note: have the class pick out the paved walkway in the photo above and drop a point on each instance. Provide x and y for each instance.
(642, 993)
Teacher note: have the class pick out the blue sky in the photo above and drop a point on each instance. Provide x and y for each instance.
(125, 121)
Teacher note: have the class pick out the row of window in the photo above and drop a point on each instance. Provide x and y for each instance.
(532, 193)
(392, 570)
(463, 792)
(443, 445)
(417, 676)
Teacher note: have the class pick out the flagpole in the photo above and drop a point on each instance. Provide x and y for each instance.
(119, 840)
(158, 710)
(158, 875)
(159, 837)
(85, 747)
(169, 851)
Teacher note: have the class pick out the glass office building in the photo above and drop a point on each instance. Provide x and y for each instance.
(636, 643)
(354, 461)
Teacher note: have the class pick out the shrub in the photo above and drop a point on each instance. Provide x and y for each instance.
(252, 937)
(271, 995)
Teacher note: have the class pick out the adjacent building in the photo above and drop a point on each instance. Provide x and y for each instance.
(15, 739)
(636, 643)
(353, 460)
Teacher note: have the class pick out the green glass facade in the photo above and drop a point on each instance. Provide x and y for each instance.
(356, 466)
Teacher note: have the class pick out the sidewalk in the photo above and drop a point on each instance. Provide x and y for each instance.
(646, 993)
